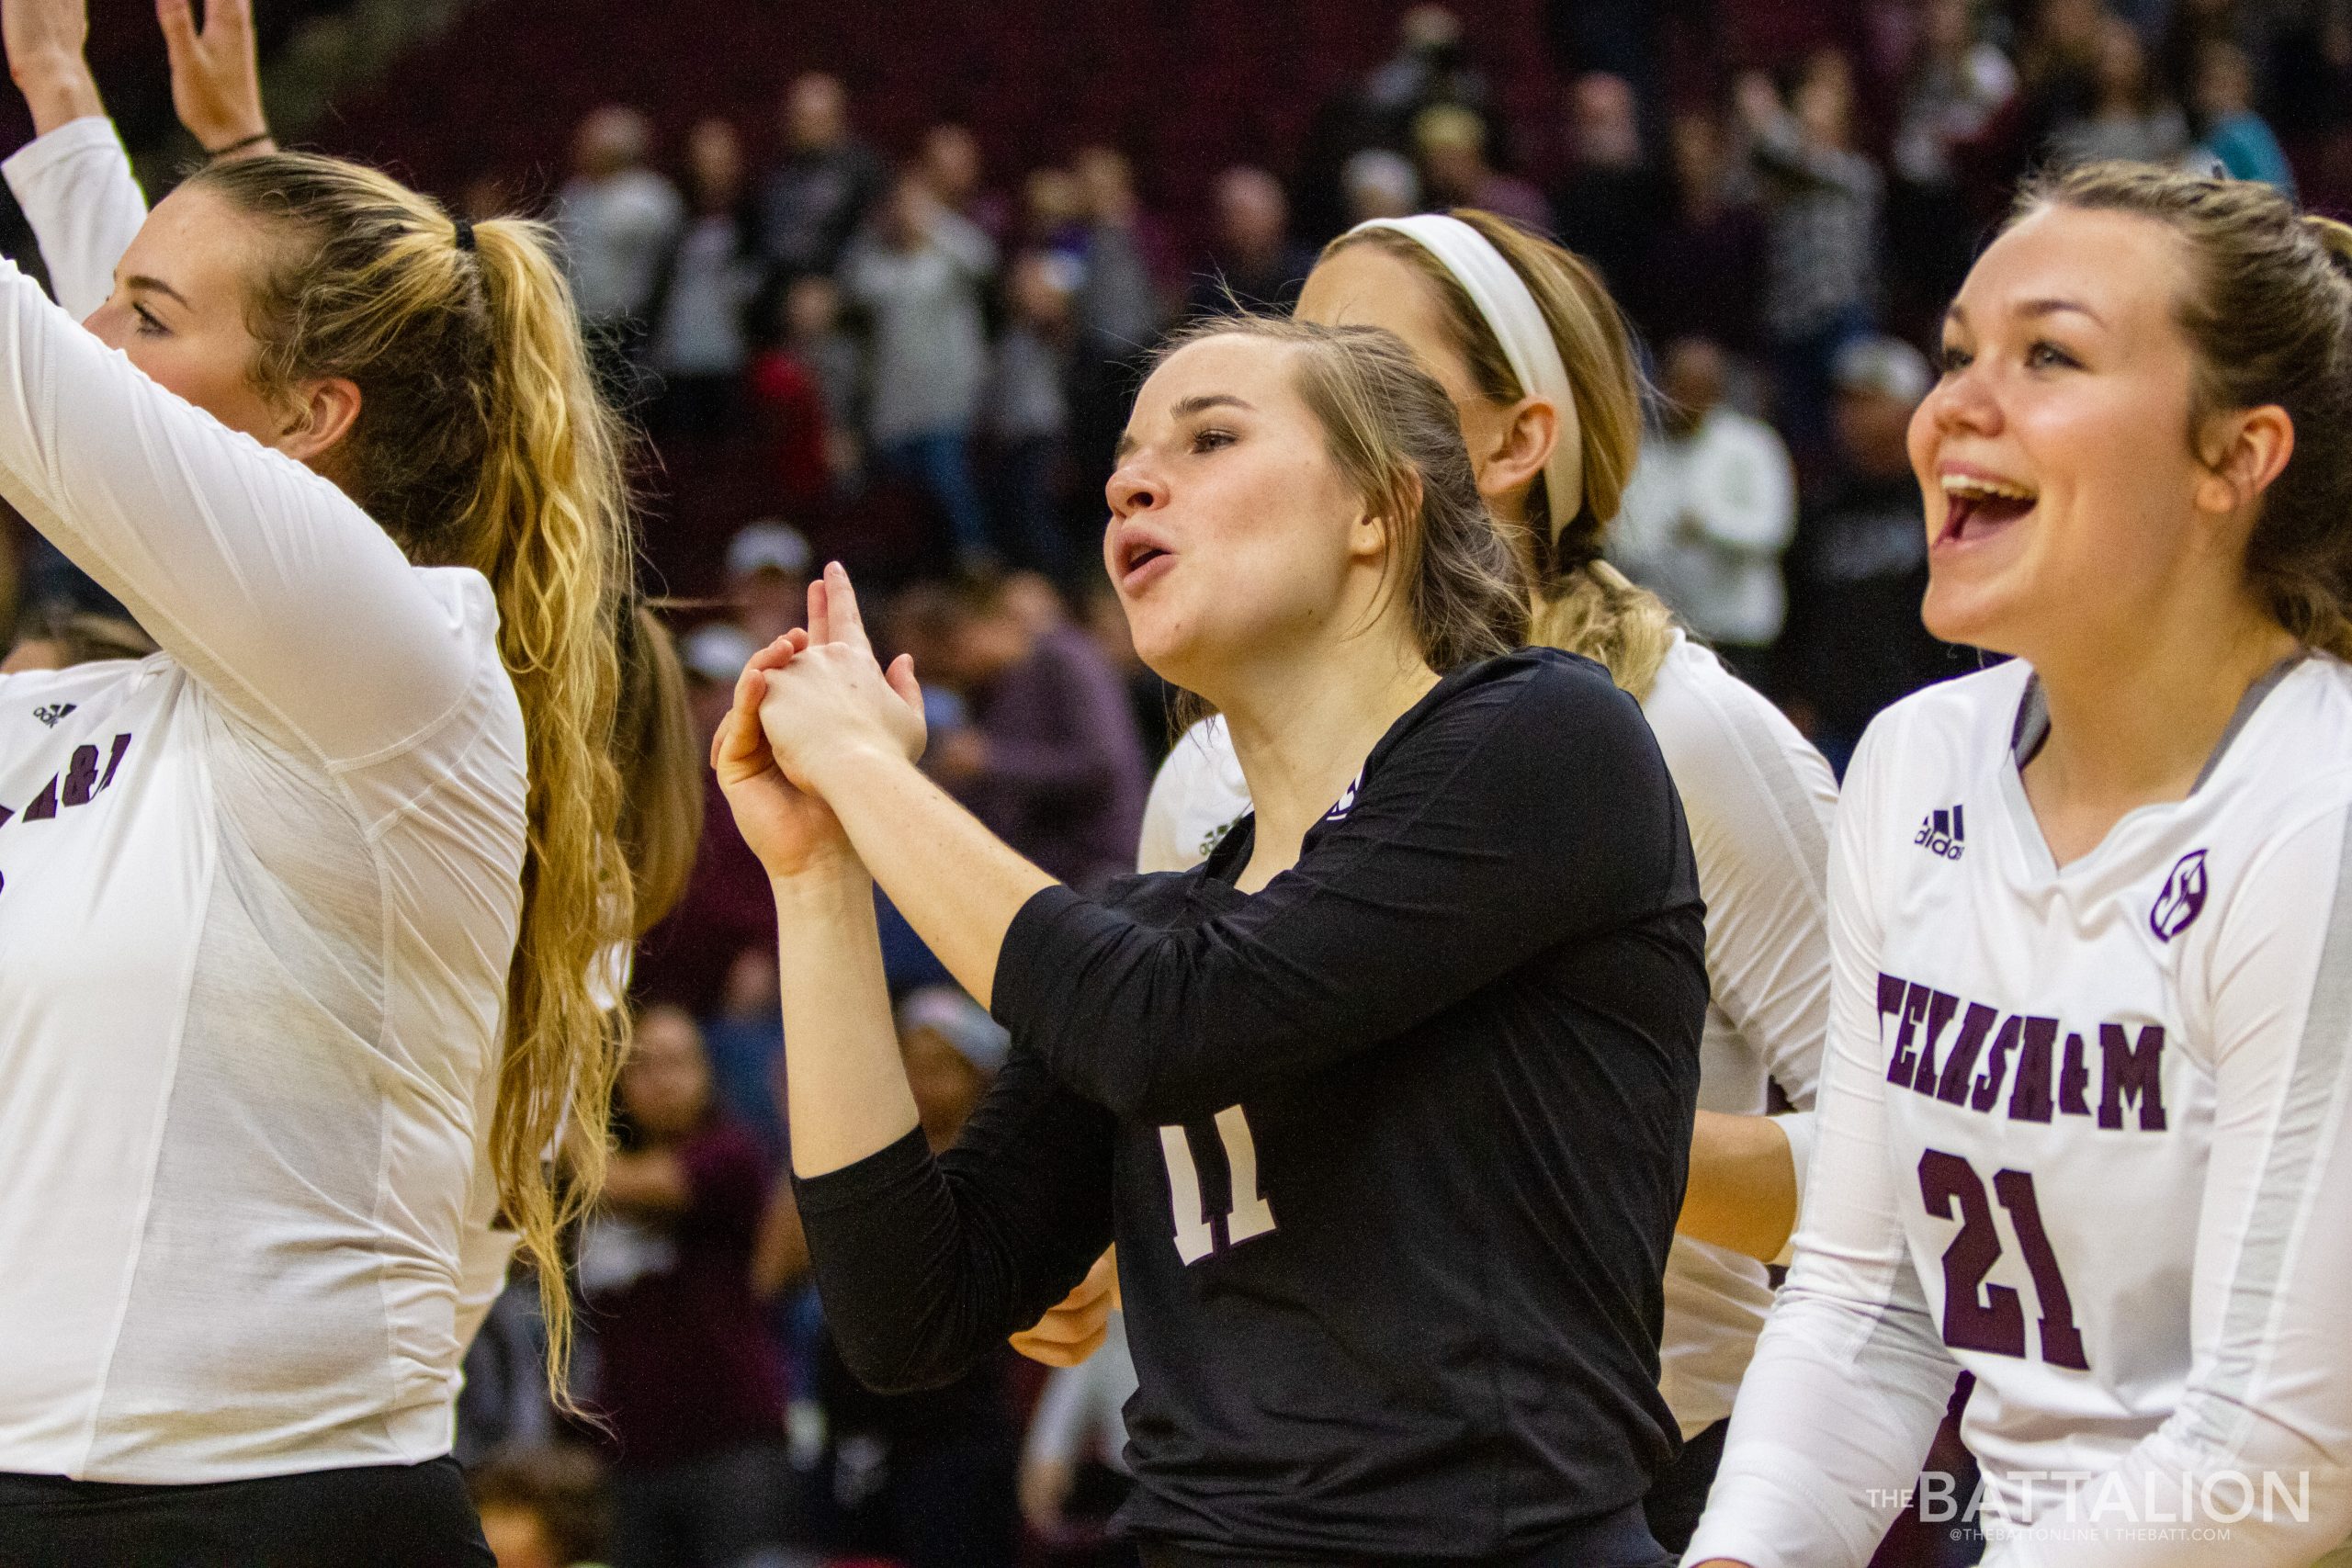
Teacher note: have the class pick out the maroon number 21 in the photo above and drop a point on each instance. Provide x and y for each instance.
(1978, 1316)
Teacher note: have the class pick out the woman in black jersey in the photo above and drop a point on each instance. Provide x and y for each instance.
(1393, 1095)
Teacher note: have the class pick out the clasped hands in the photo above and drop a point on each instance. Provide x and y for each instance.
(812, 709)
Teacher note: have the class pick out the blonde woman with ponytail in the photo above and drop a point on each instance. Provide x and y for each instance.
(1535, 356)
(297, 945)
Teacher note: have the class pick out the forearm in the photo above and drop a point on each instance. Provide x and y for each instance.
(58, 88)
(77, 191)
(845, 1084)
(956, 883)
(1743, 1188)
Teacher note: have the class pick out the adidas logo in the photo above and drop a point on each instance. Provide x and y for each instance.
(49, 715)
(1944, 834)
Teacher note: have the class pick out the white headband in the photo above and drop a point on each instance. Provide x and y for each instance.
(1509, 309)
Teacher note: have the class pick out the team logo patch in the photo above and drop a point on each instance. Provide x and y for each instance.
(1347, 800)
(51, 712)
(1944, 832)
(2183, 898)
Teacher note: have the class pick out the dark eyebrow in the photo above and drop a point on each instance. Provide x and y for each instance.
(156, 285)
(1186, 409)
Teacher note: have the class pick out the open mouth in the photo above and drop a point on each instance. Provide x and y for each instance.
(1141, 555)
(1977, 508)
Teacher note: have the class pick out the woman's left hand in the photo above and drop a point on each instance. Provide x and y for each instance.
(216, 74)
(833, 702)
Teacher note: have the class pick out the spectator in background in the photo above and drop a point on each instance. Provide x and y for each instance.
(1959, 88)
(1117, 300)
(1377, 183)
(804, 458)
(929, 1478)
(1150, 698)
(1704, 271)
(1429, 68)
(1451, 142)
(1711, 509)
(1027, 409)
(920, 273)
(686, 1374)
(1116, 305)
(1822, 200)
(1051, 761)
(768, 566)
(617, 221)
(702, 289)
(1073, 1463)
(816, 198)
(1612, 201)
(2235, 137)
(1854, 641)
(542, 1507)
(2129, 115)
(1256, 262)
(2058, 64)
(815, 340)
(950, 164)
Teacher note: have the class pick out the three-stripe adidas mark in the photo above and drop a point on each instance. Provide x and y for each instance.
(1944, 832)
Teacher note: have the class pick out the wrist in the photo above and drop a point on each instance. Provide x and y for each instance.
(822, 885)
(58, 89)
(840, 768)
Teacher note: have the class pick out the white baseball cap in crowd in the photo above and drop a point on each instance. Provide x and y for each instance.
(1886, 366)
(717, 651)
(958, 1019)
(769, 546)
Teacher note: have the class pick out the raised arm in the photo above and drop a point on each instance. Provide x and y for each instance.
(258, 575)
(1850, 1378)
(1528, 811)
(924, 1264)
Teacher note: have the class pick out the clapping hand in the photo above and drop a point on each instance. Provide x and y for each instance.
(790, 831)
(830, 701)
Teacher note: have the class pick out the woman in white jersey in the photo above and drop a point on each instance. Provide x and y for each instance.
(2085, 1130)
(299, 916)
(1531, 347)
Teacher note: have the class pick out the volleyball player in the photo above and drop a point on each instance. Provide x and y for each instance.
(301, 912)
(1388, 1102)
(2085, 1130)
(1529, 345)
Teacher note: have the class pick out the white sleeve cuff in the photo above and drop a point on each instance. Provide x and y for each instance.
(1797, 1126)
(43, 154)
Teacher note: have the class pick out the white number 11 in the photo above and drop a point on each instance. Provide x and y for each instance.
(1250, 1215)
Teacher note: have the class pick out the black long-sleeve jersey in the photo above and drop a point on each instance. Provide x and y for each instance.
(1393, 1149)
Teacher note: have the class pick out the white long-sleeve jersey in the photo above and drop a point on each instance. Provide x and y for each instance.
(258, 899)
(2084, 1133)
(1758, 799)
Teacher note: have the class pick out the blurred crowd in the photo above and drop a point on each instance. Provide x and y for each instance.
(921, 365)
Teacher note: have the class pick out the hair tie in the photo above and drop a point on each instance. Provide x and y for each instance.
(465, 234)
(1510, 309)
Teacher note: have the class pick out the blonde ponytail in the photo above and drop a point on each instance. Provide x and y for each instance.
(481, 441)
(548, 526)
(1580, 602)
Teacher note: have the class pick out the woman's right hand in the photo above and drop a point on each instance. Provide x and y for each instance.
(216, 74)
(45, 41)
(790, 831)
(1073, 1331)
